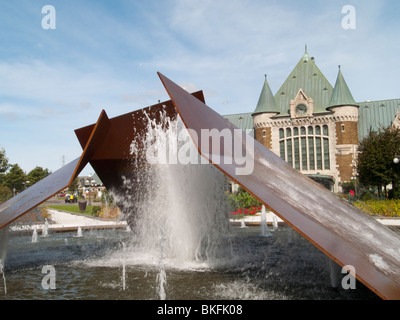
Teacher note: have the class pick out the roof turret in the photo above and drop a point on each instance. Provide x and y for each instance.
(341, 95)
(306, 76)
(266, 102)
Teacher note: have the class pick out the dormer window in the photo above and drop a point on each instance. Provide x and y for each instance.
(301, 105)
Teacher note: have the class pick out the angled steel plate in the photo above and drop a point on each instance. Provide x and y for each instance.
(112, 159)
(55, 182)
(341, 231)
(105, 144)
(36, 194)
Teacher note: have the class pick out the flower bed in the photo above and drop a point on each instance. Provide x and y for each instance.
(246, 211)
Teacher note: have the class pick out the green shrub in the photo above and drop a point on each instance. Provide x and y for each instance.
(242, 200)
(96, 211)
(386, 208)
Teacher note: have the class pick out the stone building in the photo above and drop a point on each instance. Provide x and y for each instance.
(315, 126)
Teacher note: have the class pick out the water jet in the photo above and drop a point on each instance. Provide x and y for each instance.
(34, 235)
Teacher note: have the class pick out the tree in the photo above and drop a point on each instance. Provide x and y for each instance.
(5, 194)
(36, 175)
(74, 186)
(15, 178)
(375, 161)
(3, 164)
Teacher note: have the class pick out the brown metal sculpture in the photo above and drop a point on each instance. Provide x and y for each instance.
(105, 146)
(341, 231)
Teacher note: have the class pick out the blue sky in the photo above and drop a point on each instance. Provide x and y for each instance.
(105, 55)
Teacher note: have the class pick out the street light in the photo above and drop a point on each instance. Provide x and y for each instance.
(396, 159)
(90, 185)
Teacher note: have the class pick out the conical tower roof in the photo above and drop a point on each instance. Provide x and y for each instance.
(341, 95)
(306, 76)
(266, 102)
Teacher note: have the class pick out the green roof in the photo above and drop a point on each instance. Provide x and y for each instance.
(310, 79)
(341, 95)
(266, 102)
(374, 115)
(241, 120)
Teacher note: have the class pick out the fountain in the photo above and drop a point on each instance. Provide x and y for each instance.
(34, 235)
(45, 229)
(2, 272)
(123, 277)
(264, 227)
(178, 223)
(274, 222)
(243, 224)
(79, 232)
(3, 251)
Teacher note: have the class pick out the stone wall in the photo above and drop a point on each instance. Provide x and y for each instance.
(264, 136)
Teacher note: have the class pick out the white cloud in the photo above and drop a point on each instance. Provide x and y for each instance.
(105, 55)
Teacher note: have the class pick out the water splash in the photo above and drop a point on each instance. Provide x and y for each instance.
(4, 275)
(34, 235)
(123, 278)
(3, 254)
(79, 233)
(184, 202)
(45, 229)
(264, 227)
(274, 222)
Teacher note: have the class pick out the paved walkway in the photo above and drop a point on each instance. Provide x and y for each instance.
(65, 221)
(256, 220)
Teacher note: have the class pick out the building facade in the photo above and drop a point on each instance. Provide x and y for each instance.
(315, 126)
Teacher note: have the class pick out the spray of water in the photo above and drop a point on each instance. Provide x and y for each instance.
(176, 212)
(3, 254)
(34, 235)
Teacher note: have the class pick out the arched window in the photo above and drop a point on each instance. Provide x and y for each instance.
(281, 133)
(305, 148)
(325, 130)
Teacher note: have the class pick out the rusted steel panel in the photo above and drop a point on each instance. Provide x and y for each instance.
(36, 194)
(55, 182)
(105, 145)
(112, 158)
(340, 230)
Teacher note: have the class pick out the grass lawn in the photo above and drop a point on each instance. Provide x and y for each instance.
(72, 208)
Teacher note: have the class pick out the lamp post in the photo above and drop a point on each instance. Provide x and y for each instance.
(396, 160)
(90, 186)
(25, 183)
